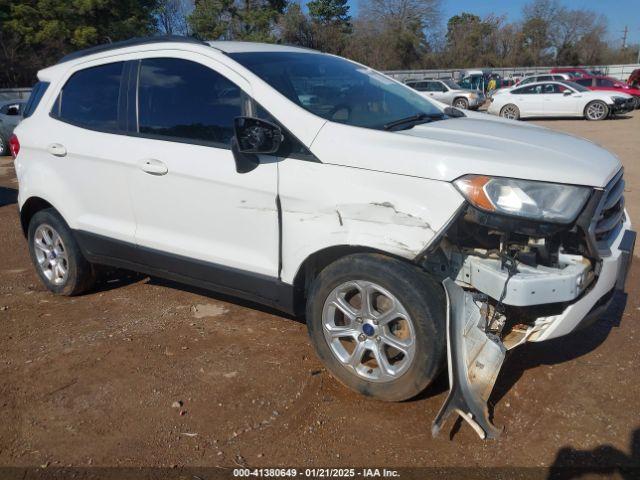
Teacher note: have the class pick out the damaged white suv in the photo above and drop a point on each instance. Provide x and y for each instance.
(409, 232)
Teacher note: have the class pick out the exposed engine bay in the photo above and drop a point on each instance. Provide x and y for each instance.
(505, 280)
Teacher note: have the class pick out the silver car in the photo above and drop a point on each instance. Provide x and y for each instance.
(449, 92)
(10, 116)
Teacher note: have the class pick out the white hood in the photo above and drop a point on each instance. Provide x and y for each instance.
(479, 143)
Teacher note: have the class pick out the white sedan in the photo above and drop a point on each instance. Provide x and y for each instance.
(559, 99)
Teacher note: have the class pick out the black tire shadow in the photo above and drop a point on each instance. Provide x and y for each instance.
(558, 350)
(605, 460)
(8, 196)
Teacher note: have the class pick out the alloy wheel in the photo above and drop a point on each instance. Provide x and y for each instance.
(510, 112)
(51, 254)
(369, 331)
(596, 111)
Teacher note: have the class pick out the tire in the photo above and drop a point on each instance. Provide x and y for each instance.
(510, 111)
(596, 110)
(461, 102)
(419, 326)
(4, 147)
(637, 102)
(56, 255)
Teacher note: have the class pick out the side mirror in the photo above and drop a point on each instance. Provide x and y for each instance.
(252, 137)
(566, 93)
(13, 110)
(617, 85)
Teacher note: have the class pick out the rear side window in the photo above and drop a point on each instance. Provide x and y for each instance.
(90, 97)
(34, 99)
(186, 101)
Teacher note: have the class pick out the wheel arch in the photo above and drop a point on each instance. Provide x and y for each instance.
(317, 261)
(29, 208)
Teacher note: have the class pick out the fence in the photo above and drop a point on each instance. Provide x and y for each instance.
(621, 72)
(14, 93)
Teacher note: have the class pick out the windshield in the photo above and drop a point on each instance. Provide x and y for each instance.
(336, 89)
(451, 84)
(576, 86)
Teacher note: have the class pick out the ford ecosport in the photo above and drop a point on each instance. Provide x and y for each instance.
(412, 235)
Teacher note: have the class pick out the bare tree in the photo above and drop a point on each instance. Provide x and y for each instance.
(172, 16)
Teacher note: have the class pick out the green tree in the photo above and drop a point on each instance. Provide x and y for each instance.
(329, 11)
(43, 30)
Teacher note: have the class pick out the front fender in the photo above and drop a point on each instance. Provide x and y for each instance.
(331, 205)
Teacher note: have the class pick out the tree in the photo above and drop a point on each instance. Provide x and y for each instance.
(171, 16)
(35, 33)
(295, 27)
(329, 11)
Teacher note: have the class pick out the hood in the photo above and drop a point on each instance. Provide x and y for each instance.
(480, 144)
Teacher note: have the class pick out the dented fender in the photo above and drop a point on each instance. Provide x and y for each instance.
(331, 205)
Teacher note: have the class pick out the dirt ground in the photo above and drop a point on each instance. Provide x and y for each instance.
(90, 381)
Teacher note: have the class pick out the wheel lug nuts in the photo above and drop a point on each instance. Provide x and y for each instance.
(375, 322)
(358, 319)
(378, 339)
(362, 337)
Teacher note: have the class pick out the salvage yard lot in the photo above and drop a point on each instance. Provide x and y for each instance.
(90, 381)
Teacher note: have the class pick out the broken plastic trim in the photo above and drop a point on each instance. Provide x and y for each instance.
(474, 359)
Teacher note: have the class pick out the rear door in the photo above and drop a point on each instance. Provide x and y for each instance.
(196, 215)
(79, 150)
(528, 100)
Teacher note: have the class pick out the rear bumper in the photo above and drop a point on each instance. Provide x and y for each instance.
(612, 276)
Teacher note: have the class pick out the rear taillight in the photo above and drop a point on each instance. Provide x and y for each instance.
(14, 146)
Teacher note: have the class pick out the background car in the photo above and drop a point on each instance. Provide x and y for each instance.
(634, 78)
(602, 83)
(576, 72)
(449, 92)
(540, 77)
(559, 99)
(10, 116)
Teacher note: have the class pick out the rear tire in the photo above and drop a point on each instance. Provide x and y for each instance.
(4, 147)
(56, 255)
(461, 102)
(510, 111)
(407, 309)
(596, 110)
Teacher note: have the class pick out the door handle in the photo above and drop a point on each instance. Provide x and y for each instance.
(153, 167)
(57, 149)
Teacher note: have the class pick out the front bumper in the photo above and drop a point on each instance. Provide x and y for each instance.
(621, 106)
(612, 275)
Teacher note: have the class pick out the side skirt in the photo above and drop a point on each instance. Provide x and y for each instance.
(269, 291)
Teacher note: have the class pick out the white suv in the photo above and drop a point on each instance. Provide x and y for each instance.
(408, 232)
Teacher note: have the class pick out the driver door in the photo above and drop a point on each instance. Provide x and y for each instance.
(559, 100)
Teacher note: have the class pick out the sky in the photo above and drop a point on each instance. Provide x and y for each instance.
(618, 12)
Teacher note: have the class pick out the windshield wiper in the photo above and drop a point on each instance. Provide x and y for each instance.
(414, 120)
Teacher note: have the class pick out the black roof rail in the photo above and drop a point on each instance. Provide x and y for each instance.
(129, 43)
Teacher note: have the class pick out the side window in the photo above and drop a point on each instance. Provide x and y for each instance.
(183, 100)
(585, 82)
(604, 82)
(90, 97)
(34, 99)
(434, 87)
(526, 90)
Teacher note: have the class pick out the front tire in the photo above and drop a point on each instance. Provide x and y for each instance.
(56, 255)
(378, 324)
(596, 110)
(510, 111)
(461, 102)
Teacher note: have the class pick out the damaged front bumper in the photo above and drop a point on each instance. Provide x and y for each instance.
(475, 353)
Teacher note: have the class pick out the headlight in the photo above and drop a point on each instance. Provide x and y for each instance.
(549, 202)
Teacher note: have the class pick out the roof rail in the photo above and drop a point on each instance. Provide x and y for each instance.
(129, 43)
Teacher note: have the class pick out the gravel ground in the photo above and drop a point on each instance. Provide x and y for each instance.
(150, 373)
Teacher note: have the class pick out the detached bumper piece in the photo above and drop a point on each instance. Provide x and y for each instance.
(474, 358)
(627, 244)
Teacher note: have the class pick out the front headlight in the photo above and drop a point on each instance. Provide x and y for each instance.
(549, 202)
